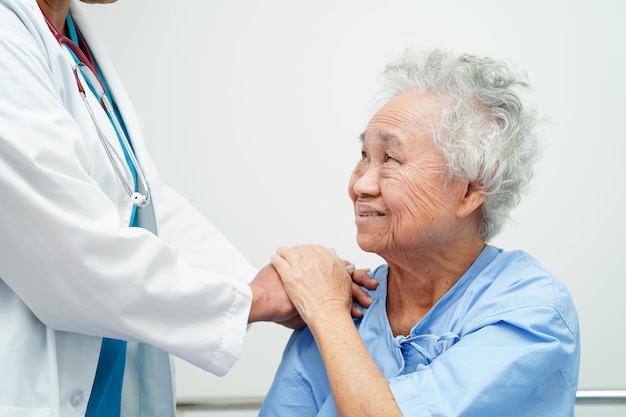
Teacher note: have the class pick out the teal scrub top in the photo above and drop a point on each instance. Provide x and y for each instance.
(106, 393)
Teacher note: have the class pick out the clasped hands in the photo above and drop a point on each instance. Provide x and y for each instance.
(301, 280)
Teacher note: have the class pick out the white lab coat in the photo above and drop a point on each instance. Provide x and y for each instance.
(71, 271)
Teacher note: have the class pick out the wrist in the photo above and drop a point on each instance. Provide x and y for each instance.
(255, 314)
(268, 306)
(327, 316)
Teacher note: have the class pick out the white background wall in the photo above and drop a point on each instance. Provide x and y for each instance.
(252, 109)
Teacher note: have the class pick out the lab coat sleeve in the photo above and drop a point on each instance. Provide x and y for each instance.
(65, 251)
(206, 248)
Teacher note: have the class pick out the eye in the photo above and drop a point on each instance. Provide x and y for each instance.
(364, 156)
(389, 158)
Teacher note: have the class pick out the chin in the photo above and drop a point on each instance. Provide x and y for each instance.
(367, 244)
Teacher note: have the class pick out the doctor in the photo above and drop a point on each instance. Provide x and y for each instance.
(87, 302)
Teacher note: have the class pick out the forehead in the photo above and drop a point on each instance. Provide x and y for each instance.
(409, 116)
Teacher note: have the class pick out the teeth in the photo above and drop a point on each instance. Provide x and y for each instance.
(367, 211)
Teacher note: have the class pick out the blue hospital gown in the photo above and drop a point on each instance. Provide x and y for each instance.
(504, 341)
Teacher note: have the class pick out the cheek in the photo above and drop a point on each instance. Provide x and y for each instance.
(423, 198)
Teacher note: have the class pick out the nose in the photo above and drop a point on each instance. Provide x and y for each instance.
(365, 181)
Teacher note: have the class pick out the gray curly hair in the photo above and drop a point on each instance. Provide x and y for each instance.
(485, 133)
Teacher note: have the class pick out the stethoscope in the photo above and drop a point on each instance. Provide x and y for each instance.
(86, 66)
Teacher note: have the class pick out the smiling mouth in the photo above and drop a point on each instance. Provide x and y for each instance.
(372, 214)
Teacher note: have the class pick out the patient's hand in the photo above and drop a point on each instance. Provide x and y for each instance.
(360, 278)
(360, 297)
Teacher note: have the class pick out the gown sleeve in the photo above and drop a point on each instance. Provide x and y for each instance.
(300, 386)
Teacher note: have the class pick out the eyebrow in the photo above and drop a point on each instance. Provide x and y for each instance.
(385, 137)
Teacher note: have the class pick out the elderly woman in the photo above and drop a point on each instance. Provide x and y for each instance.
(458, 327)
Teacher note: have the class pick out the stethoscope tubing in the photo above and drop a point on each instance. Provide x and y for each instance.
(89, 74)
(137, 198)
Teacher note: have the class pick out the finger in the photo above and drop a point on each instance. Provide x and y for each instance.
(284, 251)
(355, 311)
(323, 252)
(369, 282)
(338, 261)
(362, 277)
(349, 267)
(280, 264)
(360, 296)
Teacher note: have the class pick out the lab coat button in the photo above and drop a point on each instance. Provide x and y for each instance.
(76, 398)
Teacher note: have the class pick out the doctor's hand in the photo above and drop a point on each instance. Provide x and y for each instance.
(269, 299)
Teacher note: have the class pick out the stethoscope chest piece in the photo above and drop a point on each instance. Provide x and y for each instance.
(140, 200)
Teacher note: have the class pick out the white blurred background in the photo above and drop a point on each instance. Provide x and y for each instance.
(252, 110)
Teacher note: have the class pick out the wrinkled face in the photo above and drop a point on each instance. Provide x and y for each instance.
(401, 202)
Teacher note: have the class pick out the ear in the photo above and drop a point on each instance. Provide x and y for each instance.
(473, 198)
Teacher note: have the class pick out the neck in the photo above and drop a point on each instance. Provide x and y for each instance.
(56, 11)
(416, 283)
